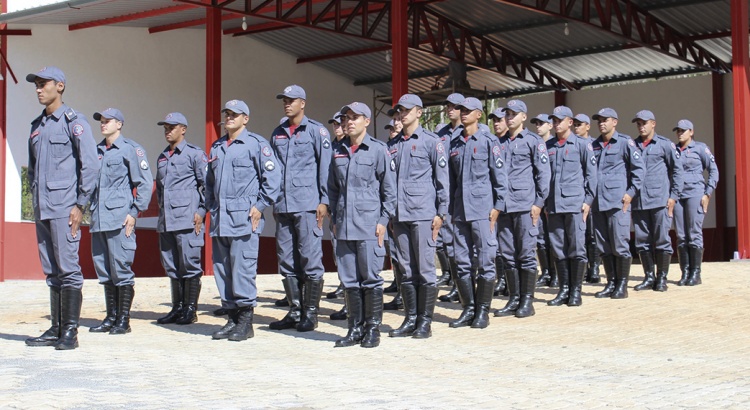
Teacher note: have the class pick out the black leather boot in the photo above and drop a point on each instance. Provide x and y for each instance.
(577, 271)
(190, 301)
(563, 273)
(373, 309)
(647, 260)
(409, 296)
(178, 288)
(341, 314)
(514, 293)
(397, 302)
(244, 328)
(338, 293)
(445, 266)
(662, 260)
(227, 329)
(483, 300)
(70, 313)
(110, 303)
(683, 257)
(592, 268)
(353, 337)
(124, 302)
(554, 282)
(50, 336)
(544, 278)
(426, 297)
(452, 295)
(500, 285)
(622, 272)
(526, 304)
(609, 271)
(220, 312)
(696, 260)
(393, 287)
(465, 286)
(312, 290)
(283, 302)
(292, 290)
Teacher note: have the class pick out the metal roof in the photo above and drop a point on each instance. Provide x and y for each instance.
(582, 53)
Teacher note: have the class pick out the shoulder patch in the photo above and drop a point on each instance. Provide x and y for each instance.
(442, 162)
(326, 143)
(636, 155)
(34, 134)
(496, 151)
(440, 148)
(77, 130)
(144, 164)
(631, 142)
(673, 146)
(542, 147)
(139, 152)
(323, 131)
(590, 148)
(708, 151)
(499, 162)
(266, 151)
(269, 165)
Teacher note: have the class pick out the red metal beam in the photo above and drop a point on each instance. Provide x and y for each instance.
(721, 194)
(399, 21)
(3, 136)
(190, 23)
(131, 17)
(741, 87)
(9, 32)
(213, 103)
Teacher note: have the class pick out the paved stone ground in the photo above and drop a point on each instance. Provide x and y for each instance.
(686, 348)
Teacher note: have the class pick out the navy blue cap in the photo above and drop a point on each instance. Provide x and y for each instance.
(605, 113)
(293, 91)
(237, 106)
(409, 101)
(390, 125)
(357, 108)
(47, 73)
(498, 113)
(516, 106)
(336, 118)
(471, 103)
(683, 125)
(560, 112)
(644, 115)
(455, 98)
(541, 118)
(582, 118)
(174, 118)
(110, 113)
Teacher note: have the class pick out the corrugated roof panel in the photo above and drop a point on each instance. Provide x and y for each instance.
(90, 11)
(714, 16)
(720, 47)
(306, 42)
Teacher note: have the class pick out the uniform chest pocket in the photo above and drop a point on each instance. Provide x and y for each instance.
(571, 162)
(114, 166)
(365, 167)
(518, 157)
(419, 158)
(60, 146)
(241, 168)
(479, 163)
(302, 148)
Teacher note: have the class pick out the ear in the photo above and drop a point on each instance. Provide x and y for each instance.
(60, 86)
(419, 112)
(119, 125)
(302, 104)
(245, 119)
(367, 122)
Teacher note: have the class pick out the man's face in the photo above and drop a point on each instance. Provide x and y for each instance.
(543, 127)
(293, 106)
(683, 136)
(469, 116)
(47, 91)
(645, 128)
(409, 116)
(109, 126)
(500, 126)
(174, 133)
(338, 132)
(233, 121)
(514, 119)
(581, 128)
(452, 112)
(356, 124)
(562, 126)
(607, 125)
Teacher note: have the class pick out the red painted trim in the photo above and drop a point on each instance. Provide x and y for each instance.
(721, 194)
(11, 32)
(190, 23)
(131, 17)
(560, 98)
(3, 136)
(399, 22)
(740, 64)
(213, 100)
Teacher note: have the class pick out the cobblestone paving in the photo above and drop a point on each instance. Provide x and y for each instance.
(686, 348)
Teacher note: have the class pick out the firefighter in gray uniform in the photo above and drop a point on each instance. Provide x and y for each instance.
(338, 134)
(362, 191)
(690, 210)
(654, 206)
(547, 276)
(500, 128)
(620, 178)
(394, 127)
(572, 190)
(421, 166)
(303, 148)
(527, 165)
(581, 127)
(114, 208)
(478, 187)
(180, 185)
(242, 180)
(445, 250)
(62, 174)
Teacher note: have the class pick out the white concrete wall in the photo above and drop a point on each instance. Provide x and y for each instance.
(149, 75)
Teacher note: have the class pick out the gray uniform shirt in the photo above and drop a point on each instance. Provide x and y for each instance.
(662, 173)
(180, 184)
(620, 171)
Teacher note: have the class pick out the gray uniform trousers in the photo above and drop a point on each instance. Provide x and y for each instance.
(360, 263)
(517, 238)
(58, 253)
(476, 236)
(567, 235)
(416, 251)
(113, 254)
(688, 222)
(652, 230)
(235, 267)
(305, 259)
(180, 253)
(612, 230)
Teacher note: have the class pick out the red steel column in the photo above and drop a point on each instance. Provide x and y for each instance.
(213, 102)
(740, 64)
(3, 140)
(560, 98)
(399, 51)
(720, 200)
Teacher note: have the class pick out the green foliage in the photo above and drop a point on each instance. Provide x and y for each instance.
(27, 210)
